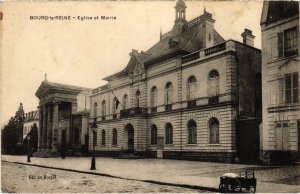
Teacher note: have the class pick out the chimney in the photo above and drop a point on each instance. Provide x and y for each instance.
(248, 37)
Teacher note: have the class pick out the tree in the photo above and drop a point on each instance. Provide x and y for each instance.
(12, 132)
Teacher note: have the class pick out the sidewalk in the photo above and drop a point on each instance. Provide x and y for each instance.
(175, 172)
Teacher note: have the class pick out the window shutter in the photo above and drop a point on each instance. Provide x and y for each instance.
(280, 44)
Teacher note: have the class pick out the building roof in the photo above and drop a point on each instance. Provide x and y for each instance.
(185, 36)
(47, 86)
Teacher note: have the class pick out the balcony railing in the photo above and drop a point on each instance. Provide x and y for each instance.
(191, 104)
(190, 57)
(215, 49)
(168, 107)
(133, 111)
(213, 100)
(153, 109)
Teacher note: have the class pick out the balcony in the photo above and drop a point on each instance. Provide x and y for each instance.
(168, 107)
(133, 111)
(190, 57)
(213, 100)
(215, 49)
(191, 104)
(153, 109)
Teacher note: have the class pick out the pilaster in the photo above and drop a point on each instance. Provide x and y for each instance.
(44, 139)
(55, 127)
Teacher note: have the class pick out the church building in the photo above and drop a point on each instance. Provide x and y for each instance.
(192, 95)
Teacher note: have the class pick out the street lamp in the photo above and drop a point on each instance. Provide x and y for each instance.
(28, 148)
(93, 163)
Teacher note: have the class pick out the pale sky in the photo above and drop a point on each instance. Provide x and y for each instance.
(83, 52)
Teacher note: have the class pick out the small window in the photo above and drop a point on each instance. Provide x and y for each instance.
(103, 136)
(95, 109)
(291, 88)
(153, 135)
(191, 88)
(125, 101)
(213, 83)
(214, 131)
(154, 96)
(137, 98)
(192, 132)
(115, 137)
(285, 125)
(169, 133)
(169, 93)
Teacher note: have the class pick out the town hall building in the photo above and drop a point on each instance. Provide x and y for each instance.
(192, 95)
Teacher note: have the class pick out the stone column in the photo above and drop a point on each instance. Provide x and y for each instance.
(49, 128)
(55, 127)
(44, 143)
(40, 131)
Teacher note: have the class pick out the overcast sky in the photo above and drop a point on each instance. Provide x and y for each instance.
(83, 52)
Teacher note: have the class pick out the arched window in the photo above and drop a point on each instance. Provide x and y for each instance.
(103, 108)
(95, 109)
(154, 96)
(125, 101)
(192, 132)
(169, 133)
(214, 130)
(137, 98)
(213, 83)
(103, 136)
(114, 137)
(169, 93)
(114, 108)
(153, 135)
(191, 88)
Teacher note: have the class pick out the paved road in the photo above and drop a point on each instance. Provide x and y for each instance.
(27, 179)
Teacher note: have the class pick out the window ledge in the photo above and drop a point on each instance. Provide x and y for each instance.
(281, 59)
(168, 145)
(214, 144)
(191, 144)
(114, 145)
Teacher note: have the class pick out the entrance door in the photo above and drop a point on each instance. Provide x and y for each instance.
(130, 138)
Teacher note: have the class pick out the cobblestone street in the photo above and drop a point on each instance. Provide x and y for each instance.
(22, 178)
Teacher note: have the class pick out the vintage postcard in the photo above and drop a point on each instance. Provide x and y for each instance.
(150, 96)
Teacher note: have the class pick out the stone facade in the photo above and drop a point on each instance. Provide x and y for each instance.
(63, 118)
(280, 70)
(187, 97)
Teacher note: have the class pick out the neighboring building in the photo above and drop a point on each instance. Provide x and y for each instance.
(31, 118)
(280, 69)
(192, 95)
(63, 118)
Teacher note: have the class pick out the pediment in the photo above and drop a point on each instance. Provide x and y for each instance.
(43, 89)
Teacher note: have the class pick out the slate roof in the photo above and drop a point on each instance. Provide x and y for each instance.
(188, 40)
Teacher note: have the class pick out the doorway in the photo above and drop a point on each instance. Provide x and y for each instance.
(129, 130)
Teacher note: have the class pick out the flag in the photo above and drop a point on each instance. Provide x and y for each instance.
(117, 103)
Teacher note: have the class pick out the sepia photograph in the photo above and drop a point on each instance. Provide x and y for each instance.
(176, 96)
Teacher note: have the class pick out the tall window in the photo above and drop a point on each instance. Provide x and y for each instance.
(95, 109)
(291, 88)
(154, 96)
(153, 134)
(77, 136)
(191, 88)
(114, 137)
(287, 43)
(103, 108)
(192, 132)
(103, 136)
(169, 93)
(137, 98)
(213, 83)
(125, 101)
(114, 108)
(169, 133)
(214, 130)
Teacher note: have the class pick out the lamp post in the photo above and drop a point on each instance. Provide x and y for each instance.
(93, 162)
(28, 148)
